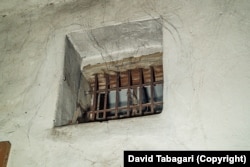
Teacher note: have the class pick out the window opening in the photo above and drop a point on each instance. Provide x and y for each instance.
(130, 93)
(91, 90)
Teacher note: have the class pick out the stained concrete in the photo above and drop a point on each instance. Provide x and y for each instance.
(116, 42)
(206, 71)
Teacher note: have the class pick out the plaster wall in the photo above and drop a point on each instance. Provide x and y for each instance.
(206, 59)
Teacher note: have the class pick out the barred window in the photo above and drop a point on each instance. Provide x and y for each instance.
(130, 93)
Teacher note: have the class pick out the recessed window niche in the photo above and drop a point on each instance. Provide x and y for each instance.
(112, 72)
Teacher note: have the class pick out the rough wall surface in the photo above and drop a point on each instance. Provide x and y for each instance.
(115, 42)
(207, 80)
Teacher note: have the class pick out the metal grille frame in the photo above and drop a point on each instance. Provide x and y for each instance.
(135, 79)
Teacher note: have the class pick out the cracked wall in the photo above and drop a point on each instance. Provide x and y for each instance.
(206, 67)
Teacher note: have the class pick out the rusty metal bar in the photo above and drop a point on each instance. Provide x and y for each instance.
(134, 106)
(152, 88)
(103, 111)
(95, 92)
(106, 95)
(129, 92)
(140, 91)
(125, 87)
(117, 94)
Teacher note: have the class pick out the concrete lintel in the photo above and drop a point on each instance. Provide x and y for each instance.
(112, 43)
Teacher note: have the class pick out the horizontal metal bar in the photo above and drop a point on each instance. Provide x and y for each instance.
(125, 87)
(125, 107)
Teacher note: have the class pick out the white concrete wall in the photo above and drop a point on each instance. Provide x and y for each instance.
(207, 81)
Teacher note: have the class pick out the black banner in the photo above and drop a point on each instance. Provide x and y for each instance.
(186, 158)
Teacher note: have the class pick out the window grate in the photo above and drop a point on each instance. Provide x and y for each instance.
(135, 92)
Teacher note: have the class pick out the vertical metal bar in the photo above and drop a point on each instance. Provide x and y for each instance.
(140, 90)
(117, 94)
(152, 88)
(129, 92)
(106, 95)
(92, 116)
